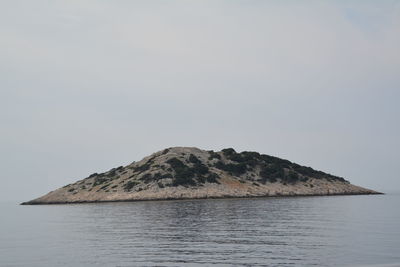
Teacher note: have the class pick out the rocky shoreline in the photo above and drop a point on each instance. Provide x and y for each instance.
(200, 198)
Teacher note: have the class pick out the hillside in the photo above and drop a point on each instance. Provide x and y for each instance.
(189, 173)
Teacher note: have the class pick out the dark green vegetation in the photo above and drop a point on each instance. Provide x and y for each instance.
(105, 178)
(269, 168)
(213, 155)
(130, 184)
(190, 170)
(144, 167)
(193, 174)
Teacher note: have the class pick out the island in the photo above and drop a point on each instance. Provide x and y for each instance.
(191, 173)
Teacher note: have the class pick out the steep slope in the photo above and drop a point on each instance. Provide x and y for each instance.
(186, 172)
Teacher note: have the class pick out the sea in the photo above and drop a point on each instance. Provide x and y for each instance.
(361, 230)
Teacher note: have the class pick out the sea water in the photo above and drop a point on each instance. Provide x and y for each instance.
(287, 231)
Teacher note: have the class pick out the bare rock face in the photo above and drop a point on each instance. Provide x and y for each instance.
(189, 173)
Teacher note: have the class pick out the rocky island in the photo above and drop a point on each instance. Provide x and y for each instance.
(192, 173)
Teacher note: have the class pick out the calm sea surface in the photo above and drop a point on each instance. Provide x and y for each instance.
(300, 231)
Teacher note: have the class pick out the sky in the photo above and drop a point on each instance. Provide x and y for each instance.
(86, 86)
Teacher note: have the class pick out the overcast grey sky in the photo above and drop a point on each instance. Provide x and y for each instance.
(90, 85)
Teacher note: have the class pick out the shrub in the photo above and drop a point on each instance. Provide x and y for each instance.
(201, 179)
(130, 184)
(233, 169)
(99, 180)
(235, 157)
(194, 159)
(200, 168)
(304, 179)
(250, 158)
(104, 186)
(292, 177)
(176, 163)
(308, 171)
(213, 155)
(341, 179)
(272, 179)
(111, 173)
(271, 169)
(247, 155)
(271, 173)
(147, 177)
(183, 174)
(228, 151)
(143, 167)
(267, 171)
(184, 177)
(212, 178)
(277, 161)
(157, 176)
